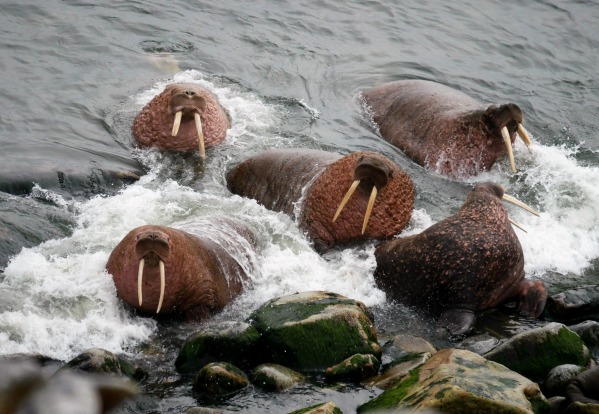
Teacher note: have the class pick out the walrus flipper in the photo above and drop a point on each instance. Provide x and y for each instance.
(532, 296)
(457, 321)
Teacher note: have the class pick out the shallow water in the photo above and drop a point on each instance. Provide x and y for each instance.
(289, 73)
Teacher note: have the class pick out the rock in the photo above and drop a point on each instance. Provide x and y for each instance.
(220, 379)
(534, 353)
(354, 368)
(479, 344)
(589, 332)
(101, 361)
(396, 372)
(403, 345)
(234, 342)
(324, 408)
(273, 377)
(558, 405)
(584, 387)
(203, 410)
(574, 305)
(582, 408)
(26, 388)
(312, 331)
(559, 377)
(460, 381)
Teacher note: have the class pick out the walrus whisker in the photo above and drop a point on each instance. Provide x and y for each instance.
(140, 276)
(177, 123)
(508, 147)
(524, 135)
(200, 134)
(346, 198)
(369, 208)
(162, 283)
(520, 204)
(517, 225)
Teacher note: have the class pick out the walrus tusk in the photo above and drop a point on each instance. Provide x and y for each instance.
(517, 225)
(508, 147)
(162, 283)
(346, 198)
(177, 123)
(520, 204)
(140, 276)
(200, 134)
(369, 208)
(524, 135)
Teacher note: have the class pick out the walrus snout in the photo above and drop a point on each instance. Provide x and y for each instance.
(187, 101)
(373, 171)
(152, 241)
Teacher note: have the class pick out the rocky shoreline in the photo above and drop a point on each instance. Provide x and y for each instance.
(289, 340)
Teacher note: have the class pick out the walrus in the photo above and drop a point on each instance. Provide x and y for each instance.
(167, 271)
(584, 388)
(336, 200)
(444, 129)
(465, 263)
(183, 117)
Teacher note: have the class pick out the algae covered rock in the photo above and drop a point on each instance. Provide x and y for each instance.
(219, 379)
(274, 377)
(354, 368)
(101, 361)
(534, 353)
(234, 342)
(460, 381)
(312, 331)
(324, 408)
(397, 370)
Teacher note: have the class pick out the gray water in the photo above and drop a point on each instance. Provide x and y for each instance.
(290, 73)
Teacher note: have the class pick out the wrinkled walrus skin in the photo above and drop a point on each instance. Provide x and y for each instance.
(468, 262)
(278, 179)
(441, 128)
(201, 276)
(153, 125)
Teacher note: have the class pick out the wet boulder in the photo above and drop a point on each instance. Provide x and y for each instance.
(234, 342)
(398, 370)
(574, 305)
(459, 381)
(534, 353)
(323, 408)
(274, 377)
(354, 368)
(220, 379)
(312, 331)
(101, 361)
(559, 377)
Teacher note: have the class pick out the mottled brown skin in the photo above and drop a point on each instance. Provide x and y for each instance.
(441, 128)
(201, 276)
(318, 180)
(584, 388)
(153, 125)
(468, 262)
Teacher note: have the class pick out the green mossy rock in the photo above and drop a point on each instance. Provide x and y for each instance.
(354, 368)
(534, 353)
(460, 381)
(398, 370)
(312, 331)
(234, 342)
(274, 377)
(220, 379)
(324, 408)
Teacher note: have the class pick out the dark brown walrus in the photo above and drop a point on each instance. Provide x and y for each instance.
(183, 117)
(310, 185)
(158, 269)
(443, 129)
(468, 262)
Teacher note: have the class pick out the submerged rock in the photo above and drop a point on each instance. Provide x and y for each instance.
(460, 381)
(234, 342)
(274, 377)
(219, 379)
(354, 368)
(324, 408)
(312, 331)
(101, 361)
(534, 353)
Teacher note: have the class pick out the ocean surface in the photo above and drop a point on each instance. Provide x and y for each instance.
(72, 183)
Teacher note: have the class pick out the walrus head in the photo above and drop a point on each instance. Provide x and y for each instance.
(508, 120)
(186, 104)
(152, 247)
(371, 173)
